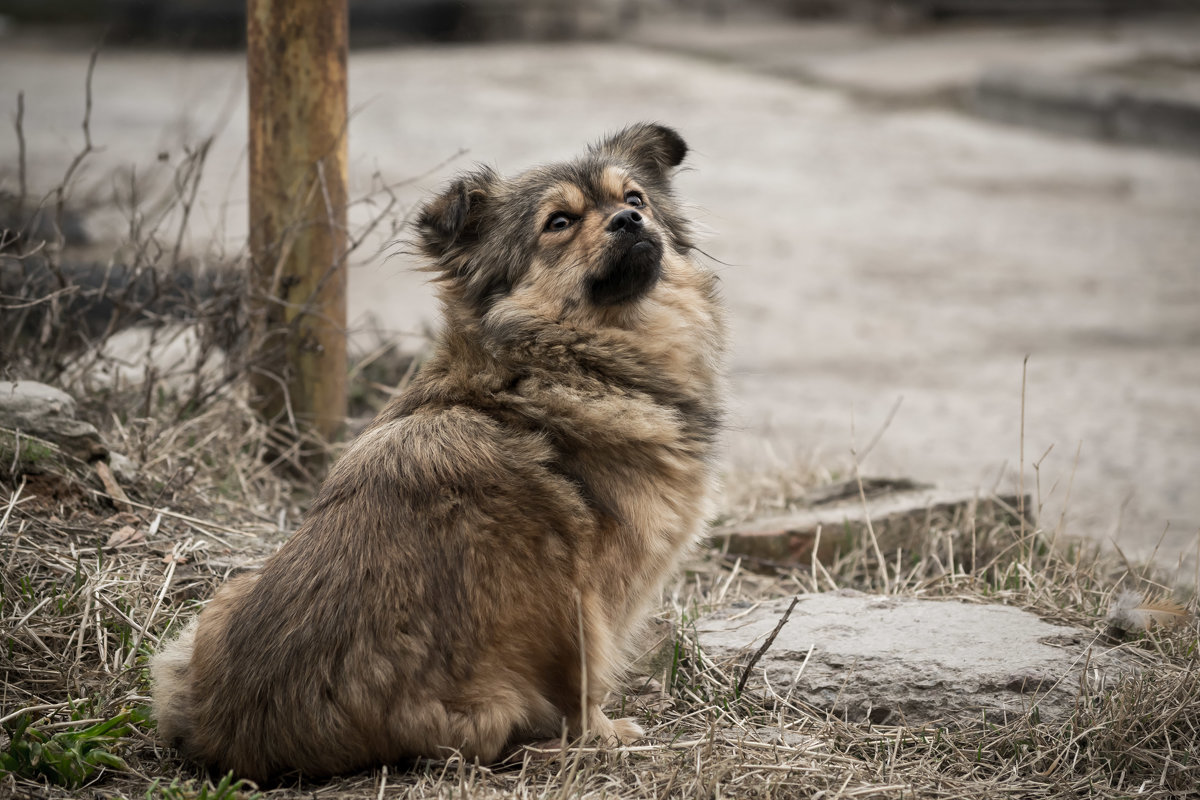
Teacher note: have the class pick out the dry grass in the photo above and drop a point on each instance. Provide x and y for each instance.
(81, 614)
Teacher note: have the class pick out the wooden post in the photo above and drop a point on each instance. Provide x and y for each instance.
(296, 66)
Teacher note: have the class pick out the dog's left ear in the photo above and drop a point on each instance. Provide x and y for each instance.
(649, 147)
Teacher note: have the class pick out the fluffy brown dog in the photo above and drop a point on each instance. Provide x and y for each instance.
(539, 479)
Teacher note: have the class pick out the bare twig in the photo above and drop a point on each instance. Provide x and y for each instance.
(741, 684)
(65, 185)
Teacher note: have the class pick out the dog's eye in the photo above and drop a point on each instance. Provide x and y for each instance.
(559, 222)
(634, 199)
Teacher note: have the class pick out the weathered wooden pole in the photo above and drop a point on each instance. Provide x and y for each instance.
(296, 65)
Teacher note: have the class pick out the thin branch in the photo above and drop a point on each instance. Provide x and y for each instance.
(88, 148)
(765, 646)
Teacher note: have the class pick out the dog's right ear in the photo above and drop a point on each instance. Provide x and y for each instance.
(451, 219)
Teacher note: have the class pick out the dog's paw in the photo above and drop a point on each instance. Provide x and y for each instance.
(626, 731)
(612, 732)
(609, 732)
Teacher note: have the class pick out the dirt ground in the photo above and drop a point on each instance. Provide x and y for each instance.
(874, 257)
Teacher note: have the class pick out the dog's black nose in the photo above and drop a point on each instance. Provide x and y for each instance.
(629, 221)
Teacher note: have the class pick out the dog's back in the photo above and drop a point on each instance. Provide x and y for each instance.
(367, 638)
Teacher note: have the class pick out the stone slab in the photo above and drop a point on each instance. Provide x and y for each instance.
(39, 410)
(893, 660)
(900, 511)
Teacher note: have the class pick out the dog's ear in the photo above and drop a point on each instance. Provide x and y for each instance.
(651, 148)
(452, 218)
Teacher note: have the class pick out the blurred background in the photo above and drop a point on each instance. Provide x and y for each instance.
(904, 200)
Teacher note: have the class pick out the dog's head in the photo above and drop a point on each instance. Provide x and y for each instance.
(578, 241)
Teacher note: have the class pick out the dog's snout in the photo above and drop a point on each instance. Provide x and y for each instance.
(629, 221)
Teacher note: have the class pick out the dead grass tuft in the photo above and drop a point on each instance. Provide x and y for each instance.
(81, 615)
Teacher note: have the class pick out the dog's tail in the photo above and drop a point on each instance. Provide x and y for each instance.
(170, 670)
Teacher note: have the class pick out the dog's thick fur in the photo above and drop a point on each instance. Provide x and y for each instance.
(540, 478)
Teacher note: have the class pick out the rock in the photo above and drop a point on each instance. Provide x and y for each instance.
(32, 399)
(123, 467)
(908, 660)
(41, 411)
(900, 512)
(176, 354)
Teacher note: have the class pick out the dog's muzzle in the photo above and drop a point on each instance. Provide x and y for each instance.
(632, 263)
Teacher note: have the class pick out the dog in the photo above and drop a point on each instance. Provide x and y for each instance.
(472, 571)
